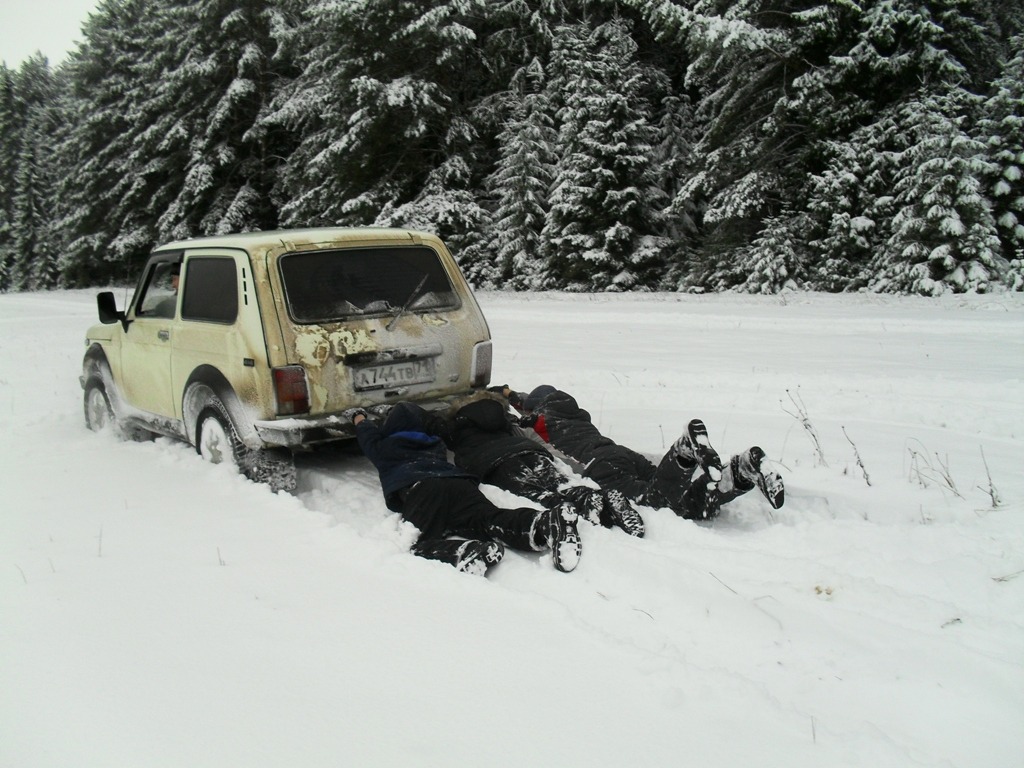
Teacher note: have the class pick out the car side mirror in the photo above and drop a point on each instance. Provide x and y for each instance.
(108, 310)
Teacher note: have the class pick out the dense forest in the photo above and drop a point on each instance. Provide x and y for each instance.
(588, 145)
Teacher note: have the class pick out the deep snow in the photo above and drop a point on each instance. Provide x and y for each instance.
(159, 611)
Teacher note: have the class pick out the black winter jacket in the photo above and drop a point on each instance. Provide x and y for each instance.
(482, 436)
(569, 429)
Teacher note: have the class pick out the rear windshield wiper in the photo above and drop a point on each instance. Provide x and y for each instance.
(408, 302)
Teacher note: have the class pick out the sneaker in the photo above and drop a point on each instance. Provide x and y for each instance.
(475, 557)
(380, 411)
(694, 447)
(588, 502)
(349, 414)
(748, 466)
(712, 502)
(563, 537)
(621, 514)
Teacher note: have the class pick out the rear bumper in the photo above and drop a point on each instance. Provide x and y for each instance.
(297, 433)
(310, 431)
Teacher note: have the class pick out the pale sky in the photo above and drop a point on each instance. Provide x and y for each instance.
(50, 26)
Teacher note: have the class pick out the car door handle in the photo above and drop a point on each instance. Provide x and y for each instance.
(163, 335)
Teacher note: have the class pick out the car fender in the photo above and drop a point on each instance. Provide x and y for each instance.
(95, 363)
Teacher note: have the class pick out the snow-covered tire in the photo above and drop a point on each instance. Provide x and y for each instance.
(273, 466)
(98, 413)
(217, 441)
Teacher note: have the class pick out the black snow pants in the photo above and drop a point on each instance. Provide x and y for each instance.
(685, 488)
(621, 469)
(441, 507)
(536, 477)
(533, 476)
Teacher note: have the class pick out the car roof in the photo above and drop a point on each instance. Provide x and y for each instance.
(285, 237)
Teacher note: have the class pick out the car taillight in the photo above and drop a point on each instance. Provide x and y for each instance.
(291, 390)
(481, 372)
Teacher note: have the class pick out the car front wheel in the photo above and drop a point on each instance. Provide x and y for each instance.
(98, 413)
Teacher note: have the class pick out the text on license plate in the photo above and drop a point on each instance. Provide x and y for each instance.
(394, 374)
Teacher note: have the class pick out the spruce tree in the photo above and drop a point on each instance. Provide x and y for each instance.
(943, 236)
(8, 156)
(1001, 129)
(599, 232)
(674, 163)
(783, 80)
(383, 109)
(216, 71)
(97, 151)
(520, 184)
(31, 256)
(170, 95)
(850, 208)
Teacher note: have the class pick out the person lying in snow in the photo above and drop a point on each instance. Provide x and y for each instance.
(486, 442)
(444, 502)
(690, 480)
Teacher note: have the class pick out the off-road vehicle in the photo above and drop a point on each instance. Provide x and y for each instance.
(250, 346)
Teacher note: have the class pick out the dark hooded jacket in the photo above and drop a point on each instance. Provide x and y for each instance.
(567, 426)
(403, 452)
(481, 437)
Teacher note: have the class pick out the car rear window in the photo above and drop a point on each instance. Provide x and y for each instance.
(327, 285)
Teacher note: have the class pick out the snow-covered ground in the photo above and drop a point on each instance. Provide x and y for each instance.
(159, 611)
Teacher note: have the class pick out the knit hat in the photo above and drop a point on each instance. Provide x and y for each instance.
(536, 397)
(403, 417)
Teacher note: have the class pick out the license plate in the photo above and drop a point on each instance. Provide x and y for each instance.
(400, 374)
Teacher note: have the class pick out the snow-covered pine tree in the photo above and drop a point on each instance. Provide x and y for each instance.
(599, 233)
(446, 206)
(1001, 128)
(943, 236)
(674, 162)
(6, 249)
(383, 110)
(217, 68)
(8, 158)
(95, 151)
(168, 97)
(778, 256)
(738, 67)
(897, 53)
(849, 209)
(32, 262)
(783, 80)
(519, 185)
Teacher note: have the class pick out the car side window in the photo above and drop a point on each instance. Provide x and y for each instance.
(211, 290)
(160, 293)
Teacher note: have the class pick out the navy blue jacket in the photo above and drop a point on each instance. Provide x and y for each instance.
(403, 453)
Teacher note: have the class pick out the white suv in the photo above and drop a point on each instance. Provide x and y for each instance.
(250, 346)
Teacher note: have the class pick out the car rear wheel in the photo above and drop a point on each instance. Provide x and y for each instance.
(217, 441)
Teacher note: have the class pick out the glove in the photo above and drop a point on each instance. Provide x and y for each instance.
(513, 397)
(528, 421)
(351, 413)
(379, 411)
